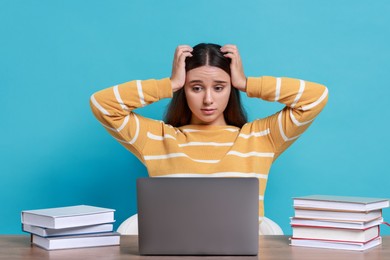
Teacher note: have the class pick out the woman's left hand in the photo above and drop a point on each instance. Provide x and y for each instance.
(238, 77)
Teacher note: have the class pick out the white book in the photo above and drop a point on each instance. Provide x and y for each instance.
(80, 241)
(50, 232)
(335, 224)
(65, 217)
(345, 203)
(336, 245)
(338, 215)
(335, 234)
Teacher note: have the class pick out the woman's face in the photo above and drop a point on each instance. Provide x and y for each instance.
(207, 90)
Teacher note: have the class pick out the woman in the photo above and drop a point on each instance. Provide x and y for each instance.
(206, 133)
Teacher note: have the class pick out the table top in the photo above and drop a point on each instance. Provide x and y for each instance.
(271, 247)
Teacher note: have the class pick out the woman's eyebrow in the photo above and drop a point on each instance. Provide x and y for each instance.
(215, 81)
(220, 81)
(196, 81)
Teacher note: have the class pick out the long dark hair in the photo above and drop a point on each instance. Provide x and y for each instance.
(179, 114)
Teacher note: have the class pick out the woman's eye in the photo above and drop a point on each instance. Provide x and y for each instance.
(196, 88)
(218, 88)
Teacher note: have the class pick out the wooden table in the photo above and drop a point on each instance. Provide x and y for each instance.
(271, 247)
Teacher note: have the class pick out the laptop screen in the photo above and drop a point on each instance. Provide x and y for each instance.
(198, 216)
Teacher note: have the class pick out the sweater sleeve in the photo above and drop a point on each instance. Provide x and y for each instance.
(304, 100)
(113, 107)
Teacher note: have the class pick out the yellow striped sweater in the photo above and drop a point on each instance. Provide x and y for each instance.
(210, 151)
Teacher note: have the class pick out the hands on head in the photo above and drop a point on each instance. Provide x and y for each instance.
(237, 76)
(178, 77)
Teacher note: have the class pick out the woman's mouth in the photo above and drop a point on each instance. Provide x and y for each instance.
(208, 111)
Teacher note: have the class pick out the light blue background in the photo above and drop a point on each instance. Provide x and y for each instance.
(55, 54)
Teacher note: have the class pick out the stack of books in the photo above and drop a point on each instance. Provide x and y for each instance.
(337, 222)
(70, 227)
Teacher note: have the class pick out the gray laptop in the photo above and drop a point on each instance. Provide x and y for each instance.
(198, 216)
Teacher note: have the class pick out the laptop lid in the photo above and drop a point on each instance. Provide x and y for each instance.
(198, 216)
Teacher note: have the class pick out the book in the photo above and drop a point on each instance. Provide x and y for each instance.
(337, 224)
(66, 217)
(336, 234)
(356, 246)
(341, 203)
(79, 241)
(338, 215)
(50, 232)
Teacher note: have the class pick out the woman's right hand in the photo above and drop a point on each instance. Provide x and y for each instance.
(178, 77)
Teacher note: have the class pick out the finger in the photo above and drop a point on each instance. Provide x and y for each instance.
(180, 51)
(183, 48)
(230, 55)
(234, 57)
(231, 51)
(229, 48)
(183, 56)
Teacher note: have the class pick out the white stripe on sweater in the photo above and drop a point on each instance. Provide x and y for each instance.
(136, 130)
(318, 101)
(132, 141)
(175, 155)
(255, 134)
(205, 144)
(189, 130)
(218, 174)
(296, 122)
(299, 94)
(277, 90)
(234, 153)
(250, 154)
(119, 99)
(125, 121)
(98, 106)
(159, 138)
(110, 128)
(285, 138)
(140, 93)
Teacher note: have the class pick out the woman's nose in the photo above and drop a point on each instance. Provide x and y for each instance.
(208, 98)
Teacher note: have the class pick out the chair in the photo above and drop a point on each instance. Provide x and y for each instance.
(266, 227)
(269, 227)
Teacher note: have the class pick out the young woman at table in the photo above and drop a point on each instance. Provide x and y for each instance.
(206, 132)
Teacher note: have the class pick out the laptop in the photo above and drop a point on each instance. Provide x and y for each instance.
(198, 216)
